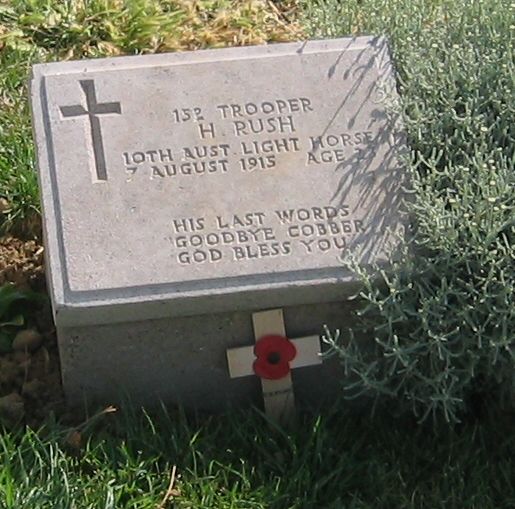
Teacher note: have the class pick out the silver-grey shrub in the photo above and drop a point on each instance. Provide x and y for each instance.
(443, 317)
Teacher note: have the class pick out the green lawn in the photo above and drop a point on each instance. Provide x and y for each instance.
(241, 461)
(443, 322)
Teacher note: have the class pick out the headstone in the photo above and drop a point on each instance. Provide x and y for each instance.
(183, 192)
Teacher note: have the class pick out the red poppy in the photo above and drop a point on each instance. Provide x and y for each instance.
(273, 356)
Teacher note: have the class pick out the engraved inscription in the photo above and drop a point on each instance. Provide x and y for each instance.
(92, 110)
(334, 148)
(257, 137)
(247, 123)
(260, 234)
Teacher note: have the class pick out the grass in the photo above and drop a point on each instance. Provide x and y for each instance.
(242, 461)
(18, 183)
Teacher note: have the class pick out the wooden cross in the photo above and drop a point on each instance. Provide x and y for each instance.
(248, 360)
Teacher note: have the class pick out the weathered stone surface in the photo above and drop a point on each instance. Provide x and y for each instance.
(182, 359)
(208, 184)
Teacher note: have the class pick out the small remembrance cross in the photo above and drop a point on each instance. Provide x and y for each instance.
(271, 358)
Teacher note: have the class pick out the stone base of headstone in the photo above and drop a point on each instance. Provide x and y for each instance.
(183, 360)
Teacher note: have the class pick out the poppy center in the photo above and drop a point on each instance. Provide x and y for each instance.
(274, 357)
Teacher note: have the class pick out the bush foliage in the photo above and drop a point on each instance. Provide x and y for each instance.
(443, 319)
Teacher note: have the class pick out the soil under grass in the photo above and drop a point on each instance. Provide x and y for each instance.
(30, 381)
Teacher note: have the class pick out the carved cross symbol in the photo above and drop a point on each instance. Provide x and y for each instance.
(244, 361)
(93, 108)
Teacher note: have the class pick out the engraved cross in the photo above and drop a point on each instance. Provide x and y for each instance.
(93, 109)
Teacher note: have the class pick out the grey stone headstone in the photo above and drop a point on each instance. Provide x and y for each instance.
(183, 191)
